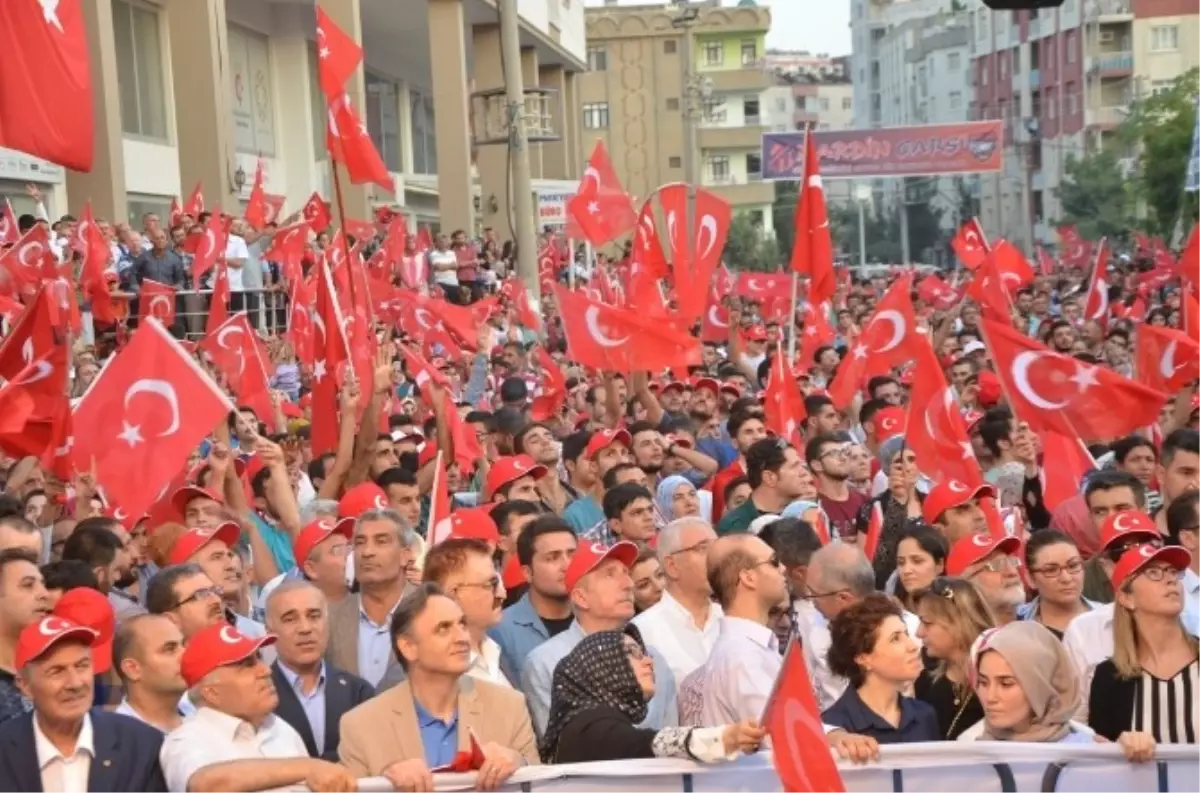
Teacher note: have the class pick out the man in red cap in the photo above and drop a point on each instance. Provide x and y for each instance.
(64, 745)
(601, 592)
(994, 565)
(514, 478)
(604, 450)
(953, 508)
(212, 550)
(23, 600)
(234, 741)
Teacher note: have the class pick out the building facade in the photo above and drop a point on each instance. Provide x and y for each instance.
(639, 92)
(189, 91)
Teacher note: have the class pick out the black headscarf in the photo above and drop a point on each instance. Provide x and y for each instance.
(596, 674)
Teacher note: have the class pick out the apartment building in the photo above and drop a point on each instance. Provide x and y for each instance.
(191, 91)
(1062, 81)
(639, 92)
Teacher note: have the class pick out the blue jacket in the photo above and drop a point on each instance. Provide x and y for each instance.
(126, 755)
(519, 633)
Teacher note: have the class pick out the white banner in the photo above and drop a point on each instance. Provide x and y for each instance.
(552, 210)
(949, 767)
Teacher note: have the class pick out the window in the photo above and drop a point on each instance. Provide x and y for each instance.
(750, 109)
(1070, 46)
(847, 102)
(824, 104)
(1164, 38)
(669, 47)
(714, 53)
(1016, 60)
(714, 109)
(754, 165)
(250, 89)
(423, 138)
(382, 117)
(137, 205)
(595, 115)
(749, 52)
(718, 168)
(1003, 64)
(756, 218)
(983, 73)
(1159, 86)
(597, 58)
(672, 104)
(780, 104)
(955, 100)
(1051, 106)
(674, 162)
(140, 75)
(954, 61)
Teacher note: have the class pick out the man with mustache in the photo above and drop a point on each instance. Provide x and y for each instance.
(234, 741)
(64, 744)
(23, 600)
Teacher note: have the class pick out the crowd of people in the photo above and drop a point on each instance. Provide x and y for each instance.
(616, 578)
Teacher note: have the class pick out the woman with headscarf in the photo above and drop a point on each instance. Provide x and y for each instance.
(900, 504)
(677, 497)
(599, 696)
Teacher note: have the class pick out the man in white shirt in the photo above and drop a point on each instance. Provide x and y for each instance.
(444, 264)
(234, 741)
(748, 580)
(237, 255)
(685, 623)
(147, 652)
(63, 745)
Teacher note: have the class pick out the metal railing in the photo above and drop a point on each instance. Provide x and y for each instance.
(266, 308)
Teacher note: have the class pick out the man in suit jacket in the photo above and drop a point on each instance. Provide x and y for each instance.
(359, 623)
(427, 721)
(106, 752)
(313, 695)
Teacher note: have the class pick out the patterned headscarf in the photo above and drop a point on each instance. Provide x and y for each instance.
(596, 674)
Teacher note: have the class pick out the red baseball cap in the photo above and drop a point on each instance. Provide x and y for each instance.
(1138, 556)
(217, 646)
(590, 555)
(602, 439)
(970, 550)
(193, 540)
(730, 388)
(889, 422)
(989, 392)
(1120, 525)
(706, 382)
(675, 384)
(756, 333)
(510, 469)
(475, 524)
(87, 607)
(189, 493)
(949, 494)
(361, 498)
(38, 637)
(972, 417)
(317, 531)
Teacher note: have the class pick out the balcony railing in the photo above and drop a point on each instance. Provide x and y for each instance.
(1111, 62)
(1106, 116)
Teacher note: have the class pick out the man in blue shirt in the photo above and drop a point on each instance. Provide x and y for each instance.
(605, 450)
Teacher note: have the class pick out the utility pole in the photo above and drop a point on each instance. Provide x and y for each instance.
(521, 200)
(692, 109)
(905, 253)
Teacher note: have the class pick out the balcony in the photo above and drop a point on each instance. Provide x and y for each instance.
(802, 117)
(747, 137)
(1109, 10)
(743, 192)
(1105, 117)
(1035, 79)
(1111, 64)
(738, 80)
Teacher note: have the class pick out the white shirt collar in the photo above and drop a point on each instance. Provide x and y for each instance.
(1191, 581)
(47, 752)
(759, 634)
(231, 726)
(669, 603)
(487, 660)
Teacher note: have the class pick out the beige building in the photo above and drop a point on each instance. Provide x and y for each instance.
(635, 96)
(193, 91)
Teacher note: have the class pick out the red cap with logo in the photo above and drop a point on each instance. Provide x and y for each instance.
(971, 550)
(589, 555)
(889, 422)
(756, 333)
(476, 524)
(989, 392)
(602, 439)
(188, 493)
(1138, 556)
(37, 638)
(510, 469)
(193, 540)
(217, 646)
(706, 382)
(316, 532)
(949, 494)
(361, 498)
(1122, 526)
(87, 607)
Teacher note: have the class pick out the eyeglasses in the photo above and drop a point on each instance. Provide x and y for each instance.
(1073, 567)
(779, 612)
(634, 651)
(701, 546)
(772, 560)
(491, 585)
(818, 595)
(1161, 574)
(1001, 564)
(841, 451)
(203, 593)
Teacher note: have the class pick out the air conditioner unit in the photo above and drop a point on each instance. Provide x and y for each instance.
(1107, 36)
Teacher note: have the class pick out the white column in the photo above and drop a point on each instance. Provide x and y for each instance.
(404, 98)
(297, 149)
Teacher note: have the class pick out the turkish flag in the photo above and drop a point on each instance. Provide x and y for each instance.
(275, 204)
(208, 247)
(158, 301)
(175, 213)
(600, 207)
(783, 404)
(694, 261)
(1003, 271)
(799, 751)
(1061, 393)
(90, 243)
(812, 251)
(551, 393)
(646, 252)
(145, 413)
(1068, 461)
(316, 212)
(938, 293)
(218, 307)
(34, 338)
(338, 55)
(46, 82)
(300, 325)
(287, 249)
(621, 339)
(235, 354)
(1166, 358)
(817, 333)
(331, 355)
(935, 428)
(715, 325)
(23, 261)
(194, 205)
(349, 143)
(885, 342)
(513, 289)
(760, 286)
(256, 206)
(970, 245)
(874, 531)
(1097, 293)
(9, 230)
(1045, 261)
(1189, 259)
(1073, 248)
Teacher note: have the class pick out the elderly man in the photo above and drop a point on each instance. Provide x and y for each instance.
(64, 745)
(748, 580)
(359, 623)
(439, 710)
(213, 550)
(313, 695)
(234, 742)
(601, 592)
(994, 566)
(685, 623)
(147, 653)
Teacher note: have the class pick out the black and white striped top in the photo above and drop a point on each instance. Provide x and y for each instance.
(1167, 709)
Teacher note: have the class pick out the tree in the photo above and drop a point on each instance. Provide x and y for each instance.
(924, 218)
(1094, 196)
(747, 249)
(1159, 127)
(783, 212)
(966, 204)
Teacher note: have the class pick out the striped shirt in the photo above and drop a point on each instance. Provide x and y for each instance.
(1167, 708)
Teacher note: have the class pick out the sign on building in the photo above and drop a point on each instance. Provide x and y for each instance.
(552, 209)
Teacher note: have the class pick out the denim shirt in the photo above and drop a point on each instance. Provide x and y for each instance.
(519, 633)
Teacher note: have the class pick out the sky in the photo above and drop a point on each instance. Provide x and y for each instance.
(813, 25)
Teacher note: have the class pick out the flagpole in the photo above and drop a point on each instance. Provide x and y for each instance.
(791, 325)
(341, 208)
(571, 264)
